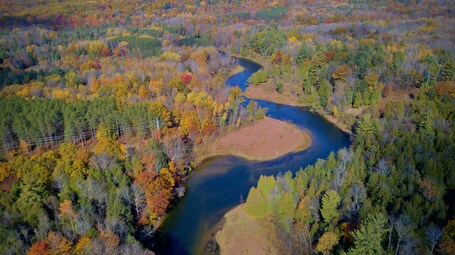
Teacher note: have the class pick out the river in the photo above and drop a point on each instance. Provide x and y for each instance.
(221, 183)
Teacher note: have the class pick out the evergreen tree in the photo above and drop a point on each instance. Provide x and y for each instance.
(279, 87)
(365, 126)
(426, 125)
(368, 239)
(303, 53)
(357, 99)
(325, 92)
(329, 210)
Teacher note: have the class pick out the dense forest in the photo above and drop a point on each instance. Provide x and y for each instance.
(389, 193)
(103, 102)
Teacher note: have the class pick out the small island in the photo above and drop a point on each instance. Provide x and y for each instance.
(264, 140)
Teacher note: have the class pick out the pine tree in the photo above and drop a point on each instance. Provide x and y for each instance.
(426, 125)
(325, 92)
(302, 54)
(365, 127)
(329, 210)
(367, 239)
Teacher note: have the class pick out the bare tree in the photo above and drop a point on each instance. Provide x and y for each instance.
(102, 161)
(392, 219)
(82, 223)
(404, 229)
(345, 156)
(338, 178)
(357, 193)
(433, 233)
(382, 167)
(43, 227)
(138, 199)
(118, 226)
(314, 207)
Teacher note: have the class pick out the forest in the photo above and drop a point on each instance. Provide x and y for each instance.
(103, 103)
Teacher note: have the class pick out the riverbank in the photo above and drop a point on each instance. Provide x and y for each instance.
(191, 216)
(267, 91)
(243, 234)
(265, 140)
(232, 71)
(255, 58)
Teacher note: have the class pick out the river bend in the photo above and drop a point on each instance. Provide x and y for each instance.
(220, 183)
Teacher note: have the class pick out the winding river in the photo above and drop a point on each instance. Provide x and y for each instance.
(220, 183)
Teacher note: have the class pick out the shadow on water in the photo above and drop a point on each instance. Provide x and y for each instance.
(220, 183)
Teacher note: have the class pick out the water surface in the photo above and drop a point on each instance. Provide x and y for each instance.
(220, 183)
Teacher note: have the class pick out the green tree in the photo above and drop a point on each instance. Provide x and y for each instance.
(368, 239)
(325, 92)
(303, 53)
(250, 107)
(279, 87)
(365, 126)
(357, 99)
(255, 204)
(329, 210)
(426, 125)
(317, 68)
(285, 211)
(266, 184)
(448, 70)
(259, 115)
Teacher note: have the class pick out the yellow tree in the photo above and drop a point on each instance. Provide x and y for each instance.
(335, 111)
(143, 93)
(341, 72)
(5, 170)
(372, 81)
(107, 144)
(326, 242)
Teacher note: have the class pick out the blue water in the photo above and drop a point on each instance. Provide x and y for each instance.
(217, 185)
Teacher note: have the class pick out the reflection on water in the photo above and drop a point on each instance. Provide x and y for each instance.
(220, 183)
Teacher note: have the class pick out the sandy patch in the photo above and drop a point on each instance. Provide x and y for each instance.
(242, 234)
(265, 140)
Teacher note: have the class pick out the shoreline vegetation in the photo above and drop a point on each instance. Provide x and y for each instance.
(266, 92)
(266, 139)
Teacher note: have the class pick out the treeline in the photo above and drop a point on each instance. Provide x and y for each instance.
(389, 193)
(8, 77)
(36, 122)
(50, 121)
